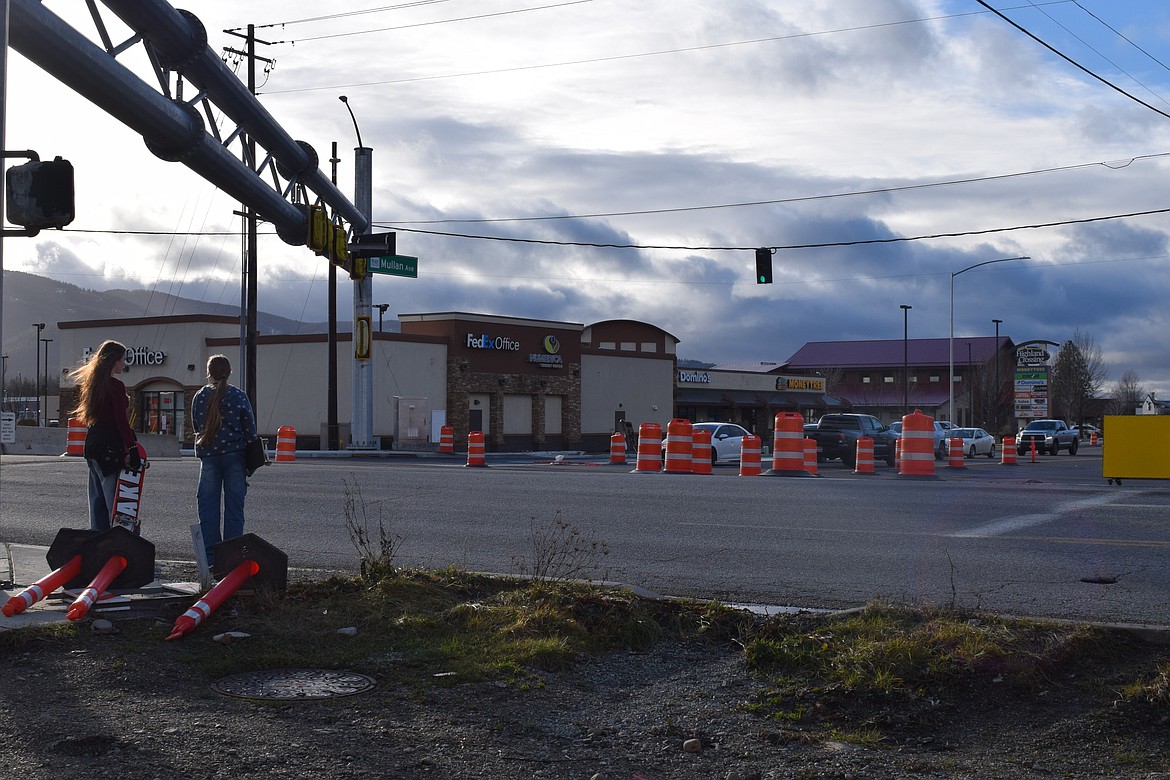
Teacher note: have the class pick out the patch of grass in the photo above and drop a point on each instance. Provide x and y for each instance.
(848, 671)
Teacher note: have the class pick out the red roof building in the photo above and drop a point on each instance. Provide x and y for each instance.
(878, 378)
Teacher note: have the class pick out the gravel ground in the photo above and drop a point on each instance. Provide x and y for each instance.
(83, 706)
(73, 710)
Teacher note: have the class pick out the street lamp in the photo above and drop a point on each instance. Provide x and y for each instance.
(381, 307)
(951, 373)
(46, 342)
(37, 377)
(998, 389)
(905, 359)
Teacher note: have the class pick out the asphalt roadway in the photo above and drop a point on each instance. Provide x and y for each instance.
(1046, 539)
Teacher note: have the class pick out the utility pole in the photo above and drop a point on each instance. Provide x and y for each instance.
(249, 288)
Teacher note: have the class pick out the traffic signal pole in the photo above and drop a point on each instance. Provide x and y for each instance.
(362, 424)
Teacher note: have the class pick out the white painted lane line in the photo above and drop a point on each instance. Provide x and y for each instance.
(1009, 525)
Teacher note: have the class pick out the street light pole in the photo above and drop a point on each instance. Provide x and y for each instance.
(362, 409)
(37, 378)
(998, 389)
(951, 373)
(905, 359)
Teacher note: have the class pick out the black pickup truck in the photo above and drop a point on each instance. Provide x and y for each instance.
(836, 436)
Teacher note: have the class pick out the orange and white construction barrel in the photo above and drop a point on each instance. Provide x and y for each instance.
(700, 451)
(749, 456)
(617, 448)
(476, 456)
(649, 449)
(1007, 455)
(75, 443)
(917, 446)
(810, 456)
(788, 446)
(679, 433)
(286, 444)
(956, 457)
(864, 460)
(1093, 441)
(447, 439)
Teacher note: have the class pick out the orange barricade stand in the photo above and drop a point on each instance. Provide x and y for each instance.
(649, 449)
(475, 449)
(678, 446)
(749, 456)
(75, 444)
(447, 439)
(956, 457)
(917, 446)
(701, 451)
(617, 448)
(286, 444)
(788, 446)
(864, 461)
(810, 457)
(1007, 455)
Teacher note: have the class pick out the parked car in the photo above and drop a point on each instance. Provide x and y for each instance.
(1087, 432)
(836, 436)
(726, 440)
(976, 441)
(896, 428)
(1049, 436)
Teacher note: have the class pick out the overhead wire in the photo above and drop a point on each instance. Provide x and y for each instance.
(1071, 61)
(636, 55)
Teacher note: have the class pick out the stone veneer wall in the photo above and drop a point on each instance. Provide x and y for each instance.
(463, 383)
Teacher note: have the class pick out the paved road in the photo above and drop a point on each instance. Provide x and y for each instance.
(1020, 539)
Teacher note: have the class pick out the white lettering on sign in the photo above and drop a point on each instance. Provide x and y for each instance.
(487, 342)
(699, 377)
(145, 356)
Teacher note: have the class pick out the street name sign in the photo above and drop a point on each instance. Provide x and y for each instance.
(394, 265)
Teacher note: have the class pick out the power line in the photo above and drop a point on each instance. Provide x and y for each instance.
(1073, 62)
(1120, 35)
(620, 57)
(799, 199)
(822, 245)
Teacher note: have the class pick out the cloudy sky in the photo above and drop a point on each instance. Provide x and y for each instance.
(687, 133)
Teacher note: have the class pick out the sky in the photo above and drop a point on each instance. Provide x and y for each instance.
(880, 147)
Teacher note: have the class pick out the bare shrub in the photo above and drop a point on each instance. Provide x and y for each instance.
(376, 544)
(560, 551)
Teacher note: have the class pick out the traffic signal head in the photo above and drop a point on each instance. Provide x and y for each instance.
(763, 266)
(40, 194)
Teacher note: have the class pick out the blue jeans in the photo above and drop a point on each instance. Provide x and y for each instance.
(102, 490)
(221, 475)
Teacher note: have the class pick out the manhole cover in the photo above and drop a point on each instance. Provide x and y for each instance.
(292, 684)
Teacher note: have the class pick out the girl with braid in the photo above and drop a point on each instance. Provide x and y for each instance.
(224, 424)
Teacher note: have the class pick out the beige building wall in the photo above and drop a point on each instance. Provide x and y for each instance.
(643, 388)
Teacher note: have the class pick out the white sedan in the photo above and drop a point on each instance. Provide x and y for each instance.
(726, 440)
(976, 441)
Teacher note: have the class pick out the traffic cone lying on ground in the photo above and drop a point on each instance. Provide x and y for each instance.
(42, 587)
(201, 609)
(113, 567)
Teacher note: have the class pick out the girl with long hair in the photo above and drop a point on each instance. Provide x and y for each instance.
(224, 424)
(102, 406)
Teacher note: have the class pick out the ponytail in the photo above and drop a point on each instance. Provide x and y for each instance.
(218, 371)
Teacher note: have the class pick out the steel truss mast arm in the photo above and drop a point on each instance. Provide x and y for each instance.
(175, 130)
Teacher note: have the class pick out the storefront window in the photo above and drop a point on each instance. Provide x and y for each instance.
(160, 411)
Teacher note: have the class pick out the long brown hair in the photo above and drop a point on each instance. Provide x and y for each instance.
(218, 371)
(93, 380)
